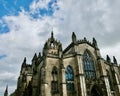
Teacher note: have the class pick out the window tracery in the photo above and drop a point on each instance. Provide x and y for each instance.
(88, 66)
(69, 79)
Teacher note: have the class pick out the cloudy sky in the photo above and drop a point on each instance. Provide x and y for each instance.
(26, 24)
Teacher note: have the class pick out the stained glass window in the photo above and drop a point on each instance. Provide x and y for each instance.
(69, 79)
(88, 66)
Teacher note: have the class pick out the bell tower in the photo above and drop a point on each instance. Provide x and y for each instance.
(52, 60)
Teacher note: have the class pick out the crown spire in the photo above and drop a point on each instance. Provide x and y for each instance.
(52, 35)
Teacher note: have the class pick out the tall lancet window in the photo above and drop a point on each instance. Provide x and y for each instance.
(54, 82)
(88, 66)
(70, 79)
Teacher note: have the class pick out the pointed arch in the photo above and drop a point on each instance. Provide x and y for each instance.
(70, 79)
(88, 65)
(54, 82)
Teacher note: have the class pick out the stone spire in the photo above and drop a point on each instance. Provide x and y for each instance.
(35, 57)
(73, 37)
(6, 91)
(24, 62)
(114, 60)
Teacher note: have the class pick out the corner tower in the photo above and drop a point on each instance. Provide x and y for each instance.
(52, 60)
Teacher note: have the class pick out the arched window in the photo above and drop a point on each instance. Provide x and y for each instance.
(54, 82)
(88, 66)
(69, 79)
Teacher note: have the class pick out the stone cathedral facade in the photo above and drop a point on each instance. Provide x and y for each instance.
(78, 70)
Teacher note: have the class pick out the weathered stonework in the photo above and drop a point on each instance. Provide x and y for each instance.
(79, 70)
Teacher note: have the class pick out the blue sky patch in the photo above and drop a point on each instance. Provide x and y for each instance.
(46, 11)
(2, 56)
(3, 27)
(13, 7)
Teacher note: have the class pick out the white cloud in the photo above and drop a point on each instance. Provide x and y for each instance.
(88, 18)
(38, 4)
(6, 75)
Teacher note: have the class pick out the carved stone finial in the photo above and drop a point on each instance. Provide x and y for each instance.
(35, 57)
(114, 60)
(95, 43)
(39, 55)
(108, 59)
(73, 37)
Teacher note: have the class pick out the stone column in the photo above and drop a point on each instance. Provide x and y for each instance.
(42, 90)
(63, 82)
(104, 76)
(83, 91)
(117, 86)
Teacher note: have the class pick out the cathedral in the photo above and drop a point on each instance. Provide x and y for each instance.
(78, 70)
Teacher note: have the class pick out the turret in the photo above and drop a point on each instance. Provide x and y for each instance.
(73, 37)
(6, 91)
